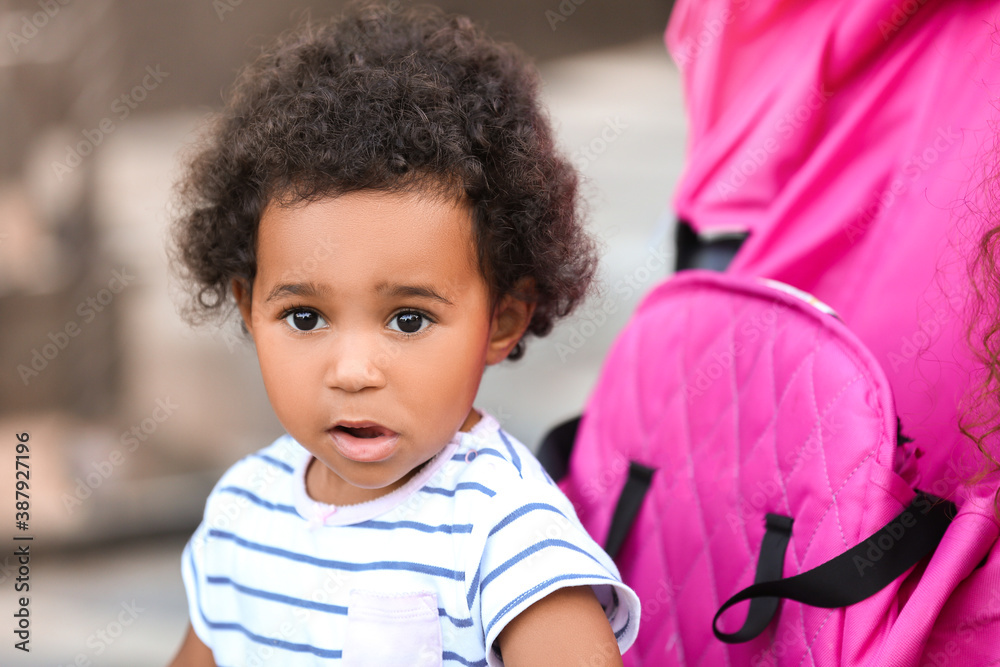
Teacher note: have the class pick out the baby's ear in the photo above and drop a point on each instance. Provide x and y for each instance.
(242, 295)
(510, 320)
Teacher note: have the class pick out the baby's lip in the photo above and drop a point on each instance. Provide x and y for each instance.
(363, 424)
(376, 445)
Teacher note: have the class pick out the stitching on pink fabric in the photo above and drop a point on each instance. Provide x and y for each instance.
(822, 451)
(772, 340)
(706, 549)
(833, 501)
(680, 481)
(734, 387)
(666, 571)
(718, 425)
(802, 615)
(749, 562)
(826, 411)
(812, 640)
(774, 442)
(778, 400)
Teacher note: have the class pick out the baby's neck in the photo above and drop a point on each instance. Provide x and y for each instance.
(470, 421)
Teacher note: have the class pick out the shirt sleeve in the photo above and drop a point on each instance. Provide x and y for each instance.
(197, 557)
(193, 574)
(534, 545)
(207, 557)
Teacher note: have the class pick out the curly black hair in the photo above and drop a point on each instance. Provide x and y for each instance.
(392, 99)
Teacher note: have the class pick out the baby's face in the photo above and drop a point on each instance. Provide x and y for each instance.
(369, 307)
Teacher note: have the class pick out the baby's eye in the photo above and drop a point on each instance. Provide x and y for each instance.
(304, 320)
(410, 322)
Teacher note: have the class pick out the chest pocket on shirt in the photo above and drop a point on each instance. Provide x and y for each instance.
(385, 630)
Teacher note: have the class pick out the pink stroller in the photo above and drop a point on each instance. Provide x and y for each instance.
(752, 444)
(845, 143)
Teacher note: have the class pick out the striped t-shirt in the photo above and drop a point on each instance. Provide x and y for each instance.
(426, 575)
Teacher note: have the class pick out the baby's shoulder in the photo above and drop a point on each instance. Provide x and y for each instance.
(505, 472)
(259, 475)
(499, 455)
(275, 461)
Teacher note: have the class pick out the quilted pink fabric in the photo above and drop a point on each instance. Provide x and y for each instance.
(851, 138)
(748, 400)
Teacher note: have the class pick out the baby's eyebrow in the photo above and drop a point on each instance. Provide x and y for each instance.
(295, 289)
(394, 289)
(383, 289)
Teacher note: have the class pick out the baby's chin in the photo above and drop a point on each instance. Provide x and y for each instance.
(350, 482)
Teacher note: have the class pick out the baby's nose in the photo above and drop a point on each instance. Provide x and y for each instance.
(356, 362)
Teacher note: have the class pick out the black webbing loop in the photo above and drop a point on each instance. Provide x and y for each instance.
(629, 502)
(778, 532)
(858, 573)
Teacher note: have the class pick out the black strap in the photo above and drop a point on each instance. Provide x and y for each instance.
(854, 575)
(777, 533)
(629, 502)
(557, 447)
(696, 251)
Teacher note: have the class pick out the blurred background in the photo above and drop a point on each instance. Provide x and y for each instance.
(132, 414)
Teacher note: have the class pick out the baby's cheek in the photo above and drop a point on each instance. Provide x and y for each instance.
(287, 384)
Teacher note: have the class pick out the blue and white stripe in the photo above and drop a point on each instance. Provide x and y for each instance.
(488, 534)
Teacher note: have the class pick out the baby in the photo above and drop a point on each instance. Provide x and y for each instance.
(382, 202)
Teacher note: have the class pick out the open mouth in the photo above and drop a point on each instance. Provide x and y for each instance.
(365, 442)
(364, 431)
